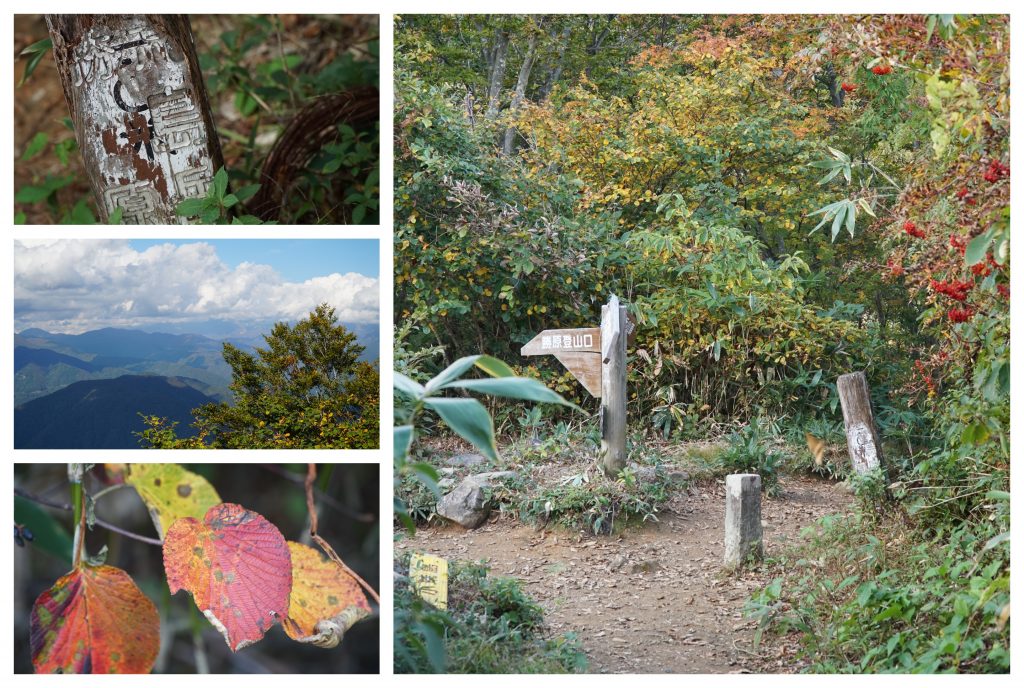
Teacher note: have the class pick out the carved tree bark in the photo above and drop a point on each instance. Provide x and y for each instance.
(140, 110)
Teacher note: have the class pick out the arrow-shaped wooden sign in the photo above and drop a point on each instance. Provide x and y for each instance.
(579, 350)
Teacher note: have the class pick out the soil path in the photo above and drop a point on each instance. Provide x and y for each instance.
(653, 599)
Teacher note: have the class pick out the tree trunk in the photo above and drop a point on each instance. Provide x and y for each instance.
(142, 118)
(556, 72)
(861, 434)
(498, 61)
(520, 93)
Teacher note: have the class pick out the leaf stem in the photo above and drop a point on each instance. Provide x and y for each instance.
(100, 522)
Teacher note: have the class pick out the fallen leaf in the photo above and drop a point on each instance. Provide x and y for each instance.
(237, 566)
(325, 599)
(94, 620)
(171, 492)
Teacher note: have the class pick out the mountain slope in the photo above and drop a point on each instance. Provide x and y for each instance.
(103, 414)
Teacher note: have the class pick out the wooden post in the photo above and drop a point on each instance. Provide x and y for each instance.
(861, 434)
(140, 110)
(744, 540)
(613, 387)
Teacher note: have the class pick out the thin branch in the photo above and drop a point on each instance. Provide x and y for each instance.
(328, 550)
(100, 522)
(328, 499)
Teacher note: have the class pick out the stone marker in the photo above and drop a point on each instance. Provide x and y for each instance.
(743, 536)
(861, 434)
(614, 333)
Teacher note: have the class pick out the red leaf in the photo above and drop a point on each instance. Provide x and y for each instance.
(94, 620)
(236, 565)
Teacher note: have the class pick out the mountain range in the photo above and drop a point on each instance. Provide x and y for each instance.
(86, 390)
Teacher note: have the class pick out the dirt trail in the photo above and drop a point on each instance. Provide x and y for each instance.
(653, 599)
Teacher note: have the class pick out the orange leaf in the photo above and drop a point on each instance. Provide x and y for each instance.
(94, 620)
(325, 599)
(236, 565)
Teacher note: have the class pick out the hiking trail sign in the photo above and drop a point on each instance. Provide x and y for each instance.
(596, 356)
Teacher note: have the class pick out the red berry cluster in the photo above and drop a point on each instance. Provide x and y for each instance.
(996, 171)
(849, 88)
(882, 69)
(954, 289)
(1004, 290)
(966, 196)
(959, 315)
(982, 269)
(958, 243)
(895, 268)
(911, 229)
(925, 376)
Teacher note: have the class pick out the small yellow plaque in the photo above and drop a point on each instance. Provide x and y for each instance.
(429, 575)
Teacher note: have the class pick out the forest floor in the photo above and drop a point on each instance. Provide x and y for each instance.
(651, 599)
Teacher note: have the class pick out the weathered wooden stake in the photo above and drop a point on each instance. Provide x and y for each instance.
(140, 110)
(861, 434)
(744, 541)
(613, 387)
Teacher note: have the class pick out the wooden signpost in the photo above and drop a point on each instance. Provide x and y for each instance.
(597, 358)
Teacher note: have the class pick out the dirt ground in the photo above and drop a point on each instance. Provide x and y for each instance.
(652, 599)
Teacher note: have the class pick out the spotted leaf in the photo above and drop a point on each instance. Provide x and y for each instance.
(94, 620)
(171, 492)
(325, 599)
(237, 566)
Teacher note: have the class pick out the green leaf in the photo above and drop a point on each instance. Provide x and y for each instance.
(36, 145)
(229, 200)
(837, 223)
(403, 442)
(977, 249)
(996, 541)
(408, 386)
(450, 373)
(35, 53)
(190, 207)
(524, 388)
(115, 217)
(247, 192)
(469, 419)
(976, 433)
(220, 183)
(48, 534)
(209, 215)
(494, 367)
(32, 194)
(20, 218)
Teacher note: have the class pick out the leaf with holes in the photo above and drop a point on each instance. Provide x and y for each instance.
(94, 620)
(236, 565)
(325, 599)
(171, 492)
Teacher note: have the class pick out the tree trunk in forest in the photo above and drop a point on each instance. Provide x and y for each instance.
(498, 61)
(556, 72)
(520, 92)
(140, 110)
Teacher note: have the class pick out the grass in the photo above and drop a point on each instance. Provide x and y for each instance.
(491, 626)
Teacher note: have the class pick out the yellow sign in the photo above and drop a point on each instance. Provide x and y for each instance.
(429, 575)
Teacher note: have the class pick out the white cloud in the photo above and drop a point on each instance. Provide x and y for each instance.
(79, 285)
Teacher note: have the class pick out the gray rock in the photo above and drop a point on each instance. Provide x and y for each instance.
(744, 540)
(467, 460)
(486, 479)
(465, 505)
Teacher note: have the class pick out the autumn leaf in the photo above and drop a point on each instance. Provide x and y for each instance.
(94, 620)
(236, 565)
(171, 492)
(325, 601)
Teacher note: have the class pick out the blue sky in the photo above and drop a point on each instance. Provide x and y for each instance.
(295, 259)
